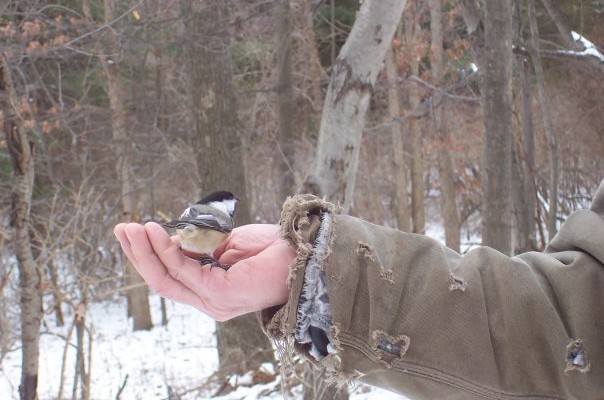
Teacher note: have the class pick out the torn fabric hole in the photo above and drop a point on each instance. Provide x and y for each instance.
(367, 251)
(392, 348)
(456, 283)
(576, 357)
(388, 348)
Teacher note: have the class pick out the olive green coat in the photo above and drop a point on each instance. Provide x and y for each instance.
(411, 316)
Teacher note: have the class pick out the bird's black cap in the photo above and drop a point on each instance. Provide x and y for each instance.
(217, 196)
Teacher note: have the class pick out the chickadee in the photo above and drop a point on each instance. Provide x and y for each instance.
(203, 226)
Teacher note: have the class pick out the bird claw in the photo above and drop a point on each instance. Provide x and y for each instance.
(221, 266)
(213, 263)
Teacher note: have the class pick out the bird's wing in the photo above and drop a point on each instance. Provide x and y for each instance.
(195, 217)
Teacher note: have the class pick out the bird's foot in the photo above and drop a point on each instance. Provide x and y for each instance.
(213, 263)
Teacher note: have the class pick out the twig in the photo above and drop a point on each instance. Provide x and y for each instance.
(442, 91)
(104, 26)
(121, 389)
(64, 358)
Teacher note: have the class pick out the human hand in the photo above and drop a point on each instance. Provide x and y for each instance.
(256, 280)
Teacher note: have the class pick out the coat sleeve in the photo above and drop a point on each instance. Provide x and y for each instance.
(409, 315)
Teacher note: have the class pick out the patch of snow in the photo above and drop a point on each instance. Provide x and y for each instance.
(174, 358)
(174, 355)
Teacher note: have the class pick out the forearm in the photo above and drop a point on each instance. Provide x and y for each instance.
(410, 315)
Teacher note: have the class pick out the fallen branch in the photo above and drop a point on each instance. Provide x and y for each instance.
(122, 387)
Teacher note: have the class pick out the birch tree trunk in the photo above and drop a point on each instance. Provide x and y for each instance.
(333, 172)
(496, 162)
(22, 157)
(445, 164)
(138, 294)
(550, 134)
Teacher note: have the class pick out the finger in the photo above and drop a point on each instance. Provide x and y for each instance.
(232, 256)
(180, 267)
(120, 233)
(153, 271)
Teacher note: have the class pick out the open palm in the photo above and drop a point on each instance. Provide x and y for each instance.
(256, 280)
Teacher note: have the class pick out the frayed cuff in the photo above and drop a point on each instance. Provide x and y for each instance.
(313, 315)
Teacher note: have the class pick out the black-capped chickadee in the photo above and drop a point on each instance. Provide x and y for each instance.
(203, 226)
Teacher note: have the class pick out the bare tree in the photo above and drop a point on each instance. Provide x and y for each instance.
(550, 134)
(523, 166)
(218, 147)
(496, 163)
(402, 211)
(138, 293)
(412, 36)
(313, 64)
(285, 102)
(21, 153)
(445, 164)
(333, 171)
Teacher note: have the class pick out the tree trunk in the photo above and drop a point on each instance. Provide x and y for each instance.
(333, 172)
(418, 214)
(496, 170)
(445, 164)
(472, 16)
(138, 294)
(470, 11)
(447, 186)
(56, 294)
(285, 94)
(528, 144)
(22, 157)
(550, 134)
(332, 27)
(81, 374)
(402, 211)
(314, 68)
(241, 344)
(523, 165)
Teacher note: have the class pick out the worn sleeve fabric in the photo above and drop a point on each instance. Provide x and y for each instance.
(411, 316)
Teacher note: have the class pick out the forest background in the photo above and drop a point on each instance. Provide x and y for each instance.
(485, 118)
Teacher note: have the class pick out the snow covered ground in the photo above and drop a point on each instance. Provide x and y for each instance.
(178, 357)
